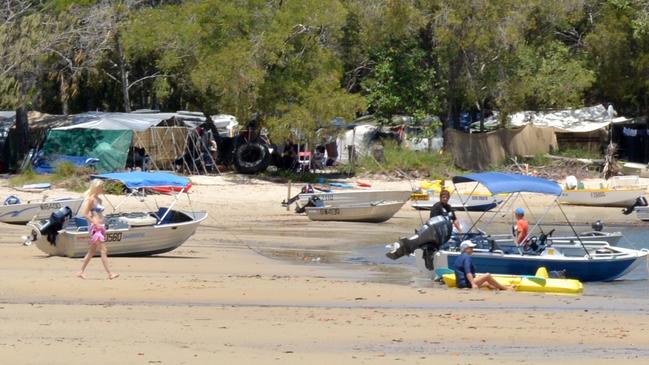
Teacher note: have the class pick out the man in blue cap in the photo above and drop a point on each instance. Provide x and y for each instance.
(522, 228)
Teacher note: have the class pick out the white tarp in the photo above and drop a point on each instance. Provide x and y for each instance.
(359, 137)
(141, 121)
(586, 119)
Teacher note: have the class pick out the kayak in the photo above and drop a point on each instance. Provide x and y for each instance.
(539, 283)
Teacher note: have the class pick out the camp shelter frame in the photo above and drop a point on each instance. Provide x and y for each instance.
(164, 136)
(514, 185)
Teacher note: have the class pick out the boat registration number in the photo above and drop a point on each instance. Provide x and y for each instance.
(114, 237)
(326, 197)
(330, 211)
(45, 206)
(597, 194)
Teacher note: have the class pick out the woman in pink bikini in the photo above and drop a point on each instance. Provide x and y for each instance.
(93, 211)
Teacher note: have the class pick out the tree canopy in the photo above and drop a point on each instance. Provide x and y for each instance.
(300, 63)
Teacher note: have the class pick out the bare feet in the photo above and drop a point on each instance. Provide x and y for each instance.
(113, 276)
(80, 275)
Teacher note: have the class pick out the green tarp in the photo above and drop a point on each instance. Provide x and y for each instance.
(109, 146)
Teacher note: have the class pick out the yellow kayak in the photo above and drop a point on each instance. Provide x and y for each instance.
(539, 283)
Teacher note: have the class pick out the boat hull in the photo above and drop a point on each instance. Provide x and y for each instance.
(127, 241)
(471, 203)
(580, 268)
(23, 213)
(353, 197)
(363, 213)
(601, 197)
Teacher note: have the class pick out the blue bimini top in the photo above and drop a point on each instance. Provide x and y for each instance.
(503, 182)
(138, 180)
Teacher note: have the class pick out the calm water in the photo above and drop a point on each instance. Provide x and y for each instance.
(404, 271)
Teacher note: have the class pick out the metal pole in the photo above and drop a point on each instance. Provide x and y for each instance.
(172, 204)
(288, 196)
(573, 229)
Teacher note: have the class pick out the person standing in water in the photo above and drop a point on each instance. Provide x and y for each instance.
(93, 211)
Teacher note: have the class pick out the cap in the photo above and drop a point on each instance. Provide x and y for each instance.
(519, 211)
(466, 244)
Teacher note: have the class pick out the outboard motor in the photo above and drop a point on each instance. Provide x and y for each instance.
(434, 233)
(55, 223)
(597, 226)
(12, 200)
(641, 201)
(306, 189)
(314, 201)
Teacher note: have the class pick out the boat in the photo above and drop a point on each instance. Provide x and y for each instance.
(21, 213)
(581, 259)
(127, 234)
(620, 191)
(352, 197)
(540, 282)
(463, 202)
(611, 238)
(373, 212)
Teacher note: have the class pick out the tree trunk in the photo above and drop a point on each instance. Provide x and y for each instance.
(63, 94)
(123, 73)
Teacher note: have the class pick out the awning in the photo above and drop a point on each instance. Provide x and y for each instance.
(501, 182)
(138, 180)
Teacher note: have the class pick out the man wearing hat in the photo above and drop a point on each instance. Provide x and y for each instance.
(521, 228)
(465, 276)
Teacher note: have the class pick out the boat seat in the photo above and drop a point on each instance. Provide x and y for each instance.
(138, 219)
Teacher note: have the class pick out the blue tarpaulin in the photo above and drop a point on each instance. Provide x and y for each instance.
(138, 180)
(501, 182)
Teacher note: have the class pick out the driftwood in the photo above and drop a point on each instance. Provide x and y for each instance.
(585, 161)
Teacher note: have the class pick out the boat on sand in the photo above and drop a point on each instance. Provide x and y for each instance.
(127, 234)
(373, 212)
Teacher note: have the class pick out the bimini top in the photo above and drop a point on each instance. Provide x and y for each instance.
(137, 180)
(502, 182)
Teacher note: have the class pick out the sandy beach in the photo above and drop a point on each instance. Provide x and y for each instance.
(260, 284)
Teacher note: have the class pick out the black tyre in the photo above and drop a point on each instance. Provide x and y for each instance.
(251, 158)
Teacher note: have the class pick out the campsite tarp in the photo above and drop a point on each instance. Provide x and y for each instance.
(106, 136)
(579, 120)
(480, 151)
(109, 146)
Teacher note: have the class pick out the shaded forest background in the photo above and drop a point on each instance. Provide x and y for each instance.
(300, 63)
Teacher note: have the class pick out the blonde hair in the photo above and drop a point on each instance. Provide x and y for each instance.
(95, 184)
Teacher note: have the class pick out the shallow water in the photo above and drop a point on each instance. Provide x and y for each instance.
(404, 271)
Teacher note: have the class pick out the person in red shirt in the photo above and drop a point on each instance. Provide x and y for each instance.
(521, 228)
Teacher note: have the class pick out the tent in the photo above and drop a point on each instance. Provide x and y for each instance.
(109, 136)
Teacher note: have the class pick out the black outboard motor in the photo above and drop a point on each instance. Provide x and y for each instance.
(55, 223)
(641, 201)
(434, 233)
(597, 226)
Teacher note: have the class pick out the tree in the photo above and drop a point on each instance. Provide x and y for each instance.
(402, 82)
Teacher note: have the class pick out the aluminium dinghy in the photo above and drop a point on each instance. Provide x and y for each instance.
(127, 234)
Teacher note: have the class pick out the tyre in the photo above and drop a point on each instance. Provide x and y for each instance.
(250, 158)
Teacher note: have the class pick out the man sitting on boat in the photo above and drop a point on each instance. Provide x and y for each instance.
(465, 276)
(522, 227)
(436, 231)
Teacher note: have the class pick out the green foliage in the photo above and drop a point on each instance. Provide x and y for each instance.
(434, 165)
(302, 62)
(549, 77)
(403, 82)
